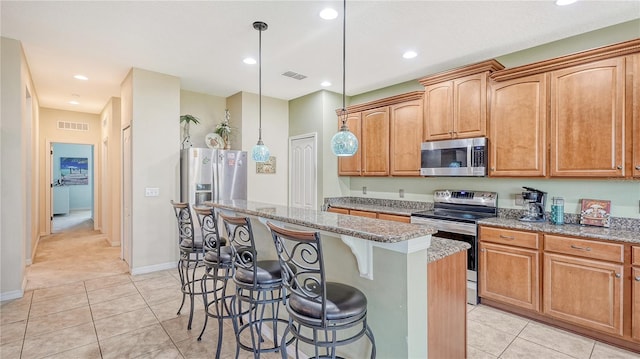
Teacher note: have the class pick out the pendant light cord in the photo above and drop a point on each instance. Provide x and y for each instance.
(260, 85)
(344, 60)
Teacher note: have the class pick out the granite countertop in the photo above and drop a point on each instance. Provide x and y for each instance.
(359, 227)
(620, 235)
(443, 247)
(388, 206)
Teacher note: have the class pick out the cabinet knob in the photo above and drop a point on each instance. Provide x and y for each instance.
(493, 168)
(482, 250)
(618, 275)
(619, 167)
(637, 279)
(638, 168)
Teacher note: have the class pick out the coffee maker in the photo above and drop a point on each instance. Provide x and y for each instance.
(535, 204)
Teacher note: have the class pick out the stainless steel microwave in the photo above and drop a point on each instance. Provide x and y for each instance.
(462, 157)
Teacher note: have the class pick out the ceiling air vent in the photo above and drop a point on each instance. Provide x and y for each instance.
(294, 75)
(73, 126)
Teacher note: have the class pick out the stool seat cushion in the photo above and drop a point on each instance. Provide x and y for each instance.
(343, 301)
(188, 244)
(225, 255)
(268, 272)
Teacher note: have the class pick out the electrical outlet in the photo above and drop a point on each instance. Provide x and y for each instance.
(364, 189)
(151, 192)
(519, 199)
(401, 193)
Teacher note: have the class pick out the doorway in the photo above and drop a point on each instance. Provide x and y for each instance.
(72, 175)
(303, 189)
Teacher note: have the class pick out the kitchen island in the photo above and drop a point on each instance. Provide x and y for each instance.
(386, 260)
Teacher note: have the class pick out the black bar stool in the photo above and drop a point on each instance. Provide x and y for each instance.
(258, 288)
(191, 254)
(317, 309)
(218, 264)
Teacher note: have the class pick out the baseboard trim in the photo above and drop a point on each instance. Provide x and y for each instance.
(153, 268)
(14, 294)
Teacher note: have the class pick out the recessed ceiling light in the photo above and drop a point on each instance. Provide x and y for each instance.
(74, 102)
(409, 54)
(565, 2)
(250, 61)
(81, 77)
(325, 84)
(328, 14)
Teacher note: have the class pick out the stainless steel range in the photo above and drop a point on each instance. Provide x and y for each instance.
(455, 215)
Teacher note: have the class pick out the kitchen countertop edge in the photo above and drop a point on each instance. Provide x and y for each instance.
(565, 229)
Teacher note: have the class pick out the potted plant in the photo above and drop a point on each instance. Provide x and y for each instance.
(188, 120)
(224, 129)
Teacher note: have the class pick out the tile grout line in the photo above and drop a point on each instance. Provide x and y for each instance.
(26, 325)
(93, 322)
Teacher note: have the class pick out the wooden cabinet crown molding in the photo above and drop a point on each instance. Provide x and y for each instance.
(485, 66)
(579, 58)
(387, 101)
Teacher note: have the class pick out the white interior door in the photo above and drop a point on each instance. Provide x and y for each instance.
(303, 188)
(126, 195)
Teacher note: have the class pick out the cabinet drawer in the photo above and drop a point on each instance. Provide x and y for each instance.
(635, 255)
(368, 214)
(338, 210)
(394, 217)
(612, 252)
(509, 237)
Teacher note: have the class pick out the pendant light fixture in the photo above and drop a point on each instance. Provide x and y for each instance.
(260, 152)
(344, 143)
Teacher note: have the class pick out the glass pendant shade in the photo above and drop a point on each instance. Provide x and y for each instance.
(260, 152)
(344, 143)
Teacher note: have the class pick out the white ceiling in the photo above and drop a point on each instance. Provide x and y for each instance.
(204, 43)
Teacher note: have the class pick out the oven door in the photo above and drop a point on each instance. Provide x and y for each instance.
(464, 232)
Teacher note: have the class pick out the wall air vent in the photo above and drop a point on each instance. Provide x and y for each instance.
(294, 75)
(73, 126)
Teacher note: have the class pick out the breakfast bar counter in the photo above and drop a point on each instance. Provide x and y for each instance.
(386, 260)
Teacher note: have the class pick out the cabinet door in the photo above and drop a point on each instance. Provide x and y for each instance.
(375, 142)
(635, 142)
(351, 166)
(510, 275)
(587, 112)
(584, 292)
(406, 137)
(635, 305)
(470, 106)
(438, 111)
(518, 126)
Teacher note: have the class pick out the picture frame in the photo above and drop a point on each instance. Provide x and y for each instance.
(595, 212)
(74, 171)
(267, 167)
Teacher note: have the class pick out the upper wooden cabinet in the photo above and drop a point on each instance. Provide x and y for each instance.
(389, 133)
(518, 127)
(591, 110)
(351, 165)
(375, 142)
(587, 119)
(455, 102)
(406, 137)
(633, 97)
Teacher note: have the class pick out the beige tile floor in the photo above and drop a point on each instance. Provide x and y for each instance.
(104, 312)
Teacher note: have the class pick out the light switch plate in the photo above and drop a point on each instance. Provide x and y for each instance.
(519, 199)
(151, 192)
(401, 193)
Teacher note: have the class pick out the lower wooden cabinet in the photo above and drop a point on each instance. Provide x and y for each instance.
(510, 274)
(635, 304)
(584, 291)
(635, 293)
(338, 210)
(394, 217)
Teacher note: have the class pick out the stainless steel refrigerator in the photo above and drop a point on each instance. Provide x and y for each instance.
(209, 174)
